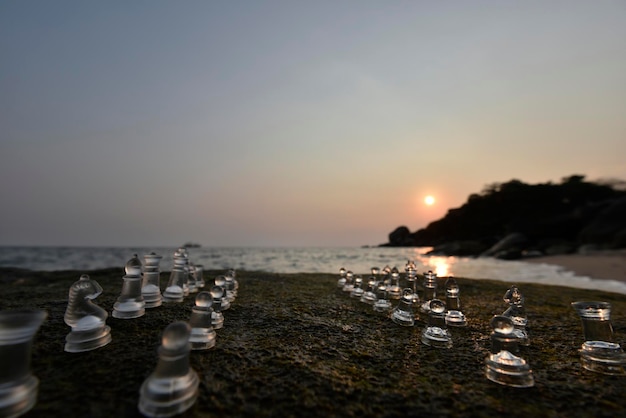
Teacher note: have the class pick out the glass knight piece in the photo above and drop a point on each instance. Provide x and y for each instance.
(517, 313)
(502, 365)
(599, 353)
(436, 334)
(150, 285)
(202, 333)
(130, 304)
(173, 386)
(18, 387)
(454, 316)
(403, 313)
(87, 320)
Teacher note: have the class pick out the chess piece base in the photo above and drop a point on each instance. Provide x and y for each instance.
(19, 397)
(436, 337)
(382, 305)
(217, 320)
(129, 309)
(455, 319)
(168, 397)
(79, 341)
(368, 298)
(202, 338)
(406, 319)
(603, 357)
(509, 370)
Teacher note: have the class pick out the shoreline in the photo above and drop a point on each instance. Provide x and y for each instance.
(600, 265)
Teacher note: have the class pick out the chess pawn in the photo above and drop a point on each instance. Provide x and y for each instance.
(130, 304)
(454, 316)
(342, 278)
(430, 290)
(181, 257)
(349, 283)
(224, 300)
(382, 304)
(173, 386)
(436, 334)
(150, 285)
(394, 290)
(517, 313)
(88, 320)
(599, 353)
(174, 291)
(217, 318)
(191, 277)
(403, 313)
(18, 387)
(202, 333)
(357, 289)
(231, 281)
(369, 296)
(502, 366)
(199, 276)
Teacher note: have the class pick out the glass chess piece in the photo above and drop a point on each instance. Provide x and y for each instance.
(403, 313)
(342, 278)
(217, 318)
(436, 334)
(191, 277)
(599, 353)
(454, 316)
(357, 289)
(173, 386)
(517, 313)
(411, 275)
(501, 365)
(202, 333)
(382, 304)
(182, 258)
(233, 283)
(430, 290)
(87, 320)
(225, 300)
(349, 283)
(394, 290)
(199, 276)
(174, 291)
(369, 296)
(150, 285)
(130, 304)
(18, 386)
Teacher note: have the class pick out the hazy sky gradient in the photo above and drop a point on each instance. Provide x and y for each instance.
(294, 122)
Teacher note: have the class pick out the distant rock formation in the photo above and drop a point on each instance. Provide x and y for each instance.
(514, 219)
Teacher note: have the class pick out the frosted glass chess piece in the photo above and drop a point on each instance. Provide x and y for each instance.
(382, 304)
(436, 334)
(599, 353)
(191, 277)
(182, 258)
(411, 275)
(217, 318)
(174, 291)
(88, 320)
(224, 300)
(18, 387)
(199, 276)
(502, 365)
(403, 313)
(517, 313)
(369, 296)
(130, 304)
(454, 316)
(173, 386)
(232, 283)
(394, 290)
(342, 278)
(150, 285)
(430, 290)
(357, 289)
(202, 333)
(349, 283)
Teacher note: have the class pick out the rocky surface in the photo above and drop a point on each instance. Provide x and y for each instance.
(295, 346)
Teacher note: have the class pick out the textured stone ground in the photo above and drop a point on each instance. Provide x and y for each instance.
(293, 345)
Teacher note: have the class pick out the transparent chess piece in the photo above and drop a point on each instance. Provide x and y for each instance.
(430, 290)
(225, 300)
(349, 283)
(357, 289)
(150, 285)
(130, 304)
(342, 278)
(369, 296)
(436, 334)
(454, 316)
(173, 386)
(502, 366)
(202, 333)
(191, 277)
(517, 313)
(382, 304)
(411, 275)
(232, 282)
(174, 291)
(217, 318)
(18, 387)
(181, 257)
(199, 276)
(394, 290)
(599, 353)
(403, 313)
(88, 320)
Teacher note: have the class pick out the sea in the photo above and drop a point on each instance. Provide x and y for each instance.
(359, 260)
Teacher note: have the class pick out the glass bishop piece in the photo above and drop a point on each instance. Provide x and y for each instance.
(403, 313)
(502, 366)
(130, 304)
(599, 353)
(150, 286)
(88, 320)
(202, 333)
(436, 334)
(454, 316)
(173, 386)
(18, 387)
(517, 313)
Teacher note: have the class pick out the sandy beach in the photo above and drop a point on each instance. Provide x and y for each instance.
(609, 265)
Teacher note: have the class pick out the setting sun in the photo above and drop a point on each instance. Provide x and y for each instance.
(429, 200)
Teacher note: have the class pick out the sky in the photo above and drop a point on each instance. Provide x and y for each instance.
(294, 123)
